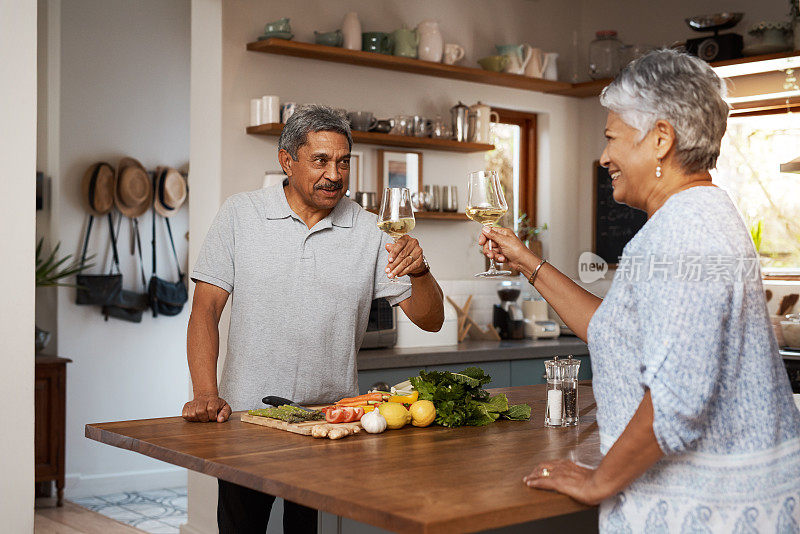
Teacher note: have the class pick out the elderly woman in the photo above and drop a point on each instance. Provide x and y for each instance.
(697, 424)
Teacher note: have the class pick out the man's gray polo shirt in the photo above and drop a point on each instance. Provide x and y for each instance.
(300, 298)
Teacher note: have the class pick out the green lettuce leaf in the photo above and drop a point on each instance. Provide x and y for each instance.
(518, 412)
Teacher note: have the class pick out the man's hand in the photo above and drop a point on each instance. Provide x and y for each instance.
(205, 408)
(405, 257)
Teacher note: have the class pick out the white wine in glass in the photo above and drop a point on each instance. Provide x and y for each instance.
(486, 205)
(396, 217)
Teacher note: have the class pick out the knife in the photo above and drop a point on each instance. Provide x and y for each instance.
(280, 401)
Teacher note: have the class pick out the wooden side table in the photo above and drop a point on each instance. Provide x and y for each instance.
(50, 421)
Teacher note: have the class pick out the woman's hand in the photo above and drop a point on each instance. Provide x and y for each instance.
(568, 478)
(506, 248)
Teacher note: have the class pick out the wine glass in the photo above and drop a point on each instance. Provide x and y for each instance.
(396, 217)
(486, 204)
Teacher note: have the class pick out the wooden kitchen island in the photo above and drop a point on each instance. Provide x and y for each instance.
(427, 480)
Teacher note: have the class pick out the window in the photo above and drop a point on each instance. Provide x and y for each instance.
(749, 170)
(514, 158)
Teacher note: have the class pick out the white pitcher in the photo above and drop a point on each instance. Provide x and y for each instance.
(537, 64)
(551, 67)
(518, 57)
(479, 125)
(351, 28)
(431, 42)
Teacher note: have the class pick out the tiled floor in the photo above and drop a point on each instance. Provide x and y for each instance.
(156, 511)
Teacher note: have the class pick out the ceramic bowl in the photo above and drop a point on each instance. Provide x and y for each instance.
(278, 35)
(281, 25)
(493, 63)
(334, 38)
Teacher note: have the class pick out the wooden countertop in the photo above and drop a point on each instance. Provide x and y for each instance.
(424, 480)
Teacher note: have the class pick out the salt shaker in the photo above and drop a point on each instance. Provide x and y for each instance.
(569, 387)
(554, 413)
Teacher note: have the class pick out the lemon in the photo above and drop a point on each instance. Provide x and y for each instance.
(422, 413)
(395, 414)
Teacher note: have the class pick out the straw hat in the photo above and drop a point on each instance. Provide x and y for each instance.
(133, 193)
(97, 188)
(170, 191)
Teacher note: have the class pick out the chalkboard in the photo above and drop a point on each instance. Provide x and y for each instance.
(614, 224)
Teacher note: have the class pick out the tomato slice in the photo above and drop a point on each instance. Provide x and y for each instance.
(359, 413)
(337, 415)
(351, 414)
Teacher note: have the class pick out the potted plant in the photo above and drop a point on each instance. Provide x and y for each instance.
(529, 233)
(50, 272)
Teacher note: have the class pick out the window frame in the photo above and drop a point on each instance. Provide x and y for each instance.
(528, 161)
(769, 107)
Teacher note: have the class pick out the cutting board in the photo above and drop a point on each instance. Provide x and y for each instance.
(303, 428)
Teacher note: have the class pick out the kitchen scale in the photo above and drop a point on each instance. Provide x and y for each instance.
(716, 47)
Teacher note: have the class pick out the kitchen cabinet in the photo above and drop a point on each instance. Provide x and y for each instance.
(509, 363)
(50, 393)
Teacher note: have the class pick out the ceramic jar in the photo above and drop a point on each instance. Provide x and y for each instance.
(479, 120)
(431, 42)
(405, 42)
(351, 28)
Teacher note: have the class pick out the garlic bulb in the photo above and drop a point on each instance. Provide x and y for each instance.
(373, 422)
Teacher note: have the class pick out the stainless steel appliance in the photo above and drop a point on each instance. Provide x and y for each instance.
(507, 316)
(381, 327)
(459, 114)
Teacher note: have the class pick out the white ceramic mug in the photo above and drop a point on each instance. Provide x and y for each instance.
(270, 109)
(453, 53)
(255, 112)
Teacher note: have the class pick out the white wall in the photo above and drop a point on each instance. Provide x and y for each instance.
(17, 233)
(449, 246)
(206, 177)
(662, 23)
(122, 88)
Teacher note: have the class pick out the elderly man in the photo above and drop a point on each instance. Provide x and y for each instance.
(303, 264)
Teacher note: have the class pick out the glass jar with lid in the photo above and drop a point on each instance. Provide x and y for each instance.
(604, 55)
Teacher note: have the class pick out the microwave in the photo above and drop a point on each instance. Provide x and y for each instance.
(382, 326)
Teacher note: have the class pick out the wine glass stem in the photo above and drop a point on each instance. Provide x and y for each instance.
(492, 266)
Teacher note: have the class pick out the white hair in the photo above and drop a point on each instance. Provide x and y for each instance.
(680, 89)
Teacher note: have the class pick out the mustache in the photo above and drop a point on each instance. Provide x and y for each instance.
(329, 185)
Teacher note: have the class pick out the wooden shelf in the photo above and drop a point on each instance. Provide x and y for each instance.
(595, 87)
(437, 215)
(374, 138)
(454, 72)
(402, 64)
(585, 89)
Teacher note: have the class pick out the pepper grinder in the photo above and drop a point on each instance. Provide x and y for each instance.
(554, 413)
(569, 386)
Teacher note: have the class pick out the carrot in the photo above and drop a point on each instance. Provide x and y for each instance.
(361, 398)
(352, 404)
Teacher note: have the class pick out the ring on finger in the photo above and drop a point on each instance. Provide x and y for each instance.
(545, 472)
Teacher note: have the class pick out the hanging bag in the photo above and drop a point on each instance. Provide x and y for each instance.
(130, 304)
(99, 289)
(166, 298)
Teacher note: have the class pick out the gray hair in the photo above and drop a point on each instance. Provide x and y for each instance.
(312, 118)
(680, 89)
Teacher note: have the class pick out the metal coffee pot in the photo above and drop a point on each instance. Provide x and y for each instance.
(459, 114)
